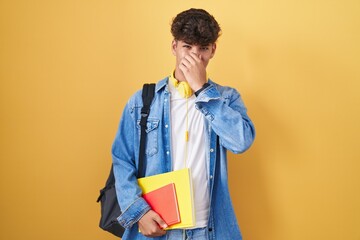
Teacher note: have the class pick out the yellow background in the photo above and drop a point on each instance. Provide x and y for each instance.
(68, 67)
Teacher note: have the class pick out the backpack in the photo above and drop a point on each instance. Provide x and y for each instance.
(110, 209)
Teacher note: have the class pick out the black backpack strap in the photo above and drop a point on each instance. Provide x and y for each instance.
(110, 208)
(147, 97)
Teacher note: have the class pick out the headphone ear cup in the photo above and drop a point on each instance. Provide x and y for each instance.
(184, 89)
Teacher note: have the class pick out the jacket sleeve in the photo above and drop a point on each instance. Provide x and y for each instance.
(128, 192)
(228, 117)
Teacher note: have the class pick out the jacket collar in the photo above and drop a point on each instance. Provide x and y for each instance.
(163, 83)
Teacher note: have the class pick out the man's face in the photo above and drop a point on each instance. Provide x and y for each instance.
(180, 49)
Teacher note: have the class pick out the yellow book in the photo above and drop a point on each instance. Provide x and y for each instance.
(184, 192)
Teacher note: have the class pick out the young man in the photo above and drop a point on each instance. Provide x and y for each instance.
(212, 117)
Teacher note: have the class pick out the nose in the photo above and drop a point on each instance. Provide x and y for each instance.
(195, 50)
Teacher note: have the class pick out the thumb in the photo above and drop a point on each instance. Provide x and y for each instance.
(159, 221)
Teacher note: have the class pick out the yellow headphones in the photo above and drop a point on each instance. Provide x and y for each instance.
(183, 87)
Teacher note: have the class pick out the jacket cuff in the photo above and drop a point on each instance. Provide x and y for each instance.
(133, 213)
(202, 89)
(209, 93)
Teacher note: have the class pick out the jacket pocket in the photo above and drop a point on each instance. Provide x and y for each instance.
(151, 135)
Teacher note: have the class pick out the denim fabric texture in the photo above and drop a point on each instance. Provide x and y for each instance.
(228, 127)
(191, 234)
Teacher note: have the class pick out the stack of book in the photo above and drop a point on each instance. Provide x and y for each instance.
(171, 196)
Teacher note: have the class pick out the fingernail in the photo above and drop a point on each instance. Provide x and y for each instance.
(165, 226)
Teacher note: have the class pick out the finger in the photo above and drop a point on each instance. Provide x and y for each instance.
(160, 221)
(185, 62)
(196, 57)
(183, 68)
(152, 229)
(156, 231)
(190, 59)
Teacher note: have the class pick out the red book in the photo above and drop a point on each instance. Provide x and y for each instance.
(164, 202)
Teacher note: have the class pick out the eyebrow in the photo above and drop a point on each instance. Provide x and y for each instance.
(207, 45)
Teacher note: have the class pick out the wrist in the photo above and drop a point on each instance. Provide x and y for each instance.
(197, 86)
(205, 85)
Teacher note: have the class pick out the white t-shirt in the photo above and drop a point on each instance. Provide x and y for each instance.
(196, 159)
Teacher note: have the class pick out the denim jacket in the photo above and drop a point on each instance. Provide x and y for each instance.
(227, 128)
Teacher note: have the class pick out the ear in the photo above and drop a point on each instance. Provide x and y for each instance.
(173, 47)
(213, 50)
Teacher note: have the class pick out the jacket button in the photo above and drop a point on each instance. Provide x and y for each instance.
(211, 150)
(210, 229)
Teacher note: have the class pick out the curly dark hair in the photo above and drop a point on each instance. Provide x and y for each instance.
(195, 26)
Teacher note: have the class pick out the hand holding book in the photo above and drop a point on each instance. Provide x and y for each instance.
(149, 225)
(178, 186)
